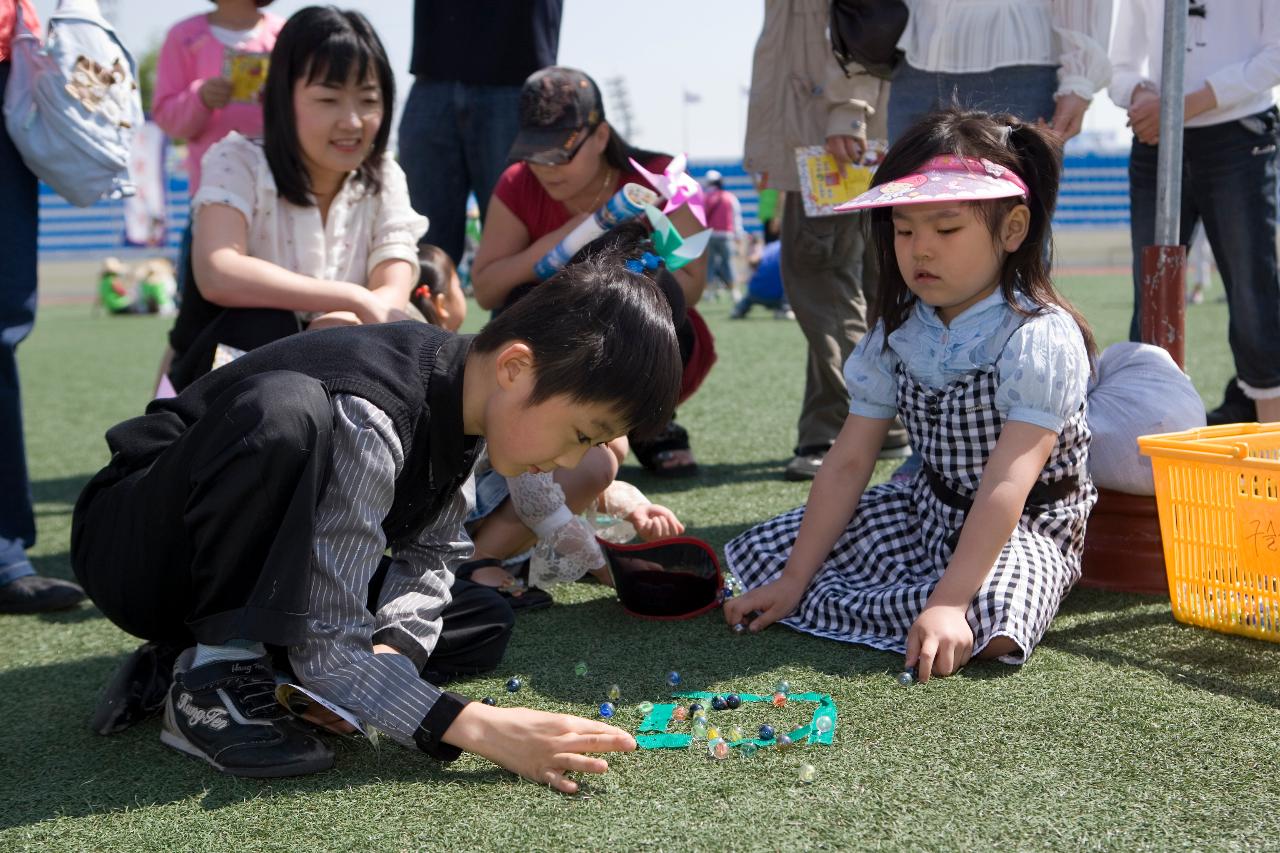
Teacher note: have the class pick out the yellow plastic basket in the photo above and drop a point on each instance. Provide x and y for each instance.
(1218, 495)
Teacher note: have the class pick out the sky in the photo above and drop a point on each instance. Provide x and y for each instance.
(703, 47)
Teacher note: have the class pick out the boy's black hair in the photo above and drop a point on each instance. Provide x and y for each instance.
(332, 46)
(1033, 153)
(599, 334)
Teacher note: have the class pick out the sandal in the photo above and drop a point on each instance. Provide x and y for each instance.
(661, 455)
(517, 594)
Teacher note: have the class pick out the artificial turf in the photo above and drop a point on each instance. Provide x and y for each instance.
(1127, 730)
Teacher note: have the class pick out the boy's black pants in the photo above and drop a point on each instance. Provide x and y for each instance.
(212, 540)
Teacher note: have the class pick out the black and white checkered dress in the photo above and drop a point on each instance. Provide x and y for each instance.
(883, 567)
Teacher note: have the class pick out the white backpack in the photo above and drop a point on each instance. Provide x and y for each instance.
(72, 104)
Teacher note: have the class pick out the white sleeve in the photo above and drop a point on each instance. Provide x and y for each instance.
(1130, 53)
(229, 175)
(397, 227)
(1083, 28)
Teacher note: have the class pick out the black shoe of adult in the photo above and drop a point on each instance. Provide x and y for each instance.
(226, 713)
(34, 594)
(137, 690)
(1236, 408)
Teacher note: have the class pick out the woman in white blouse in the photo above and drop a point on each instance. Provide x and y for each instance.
(311, 227)
(1036, 59)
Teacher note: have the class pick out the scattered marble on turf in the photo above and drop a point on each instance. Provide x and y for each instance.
(614, 693)
(488, 700)
(645, 708)
(739, 628)
(607, 709)
(712, 732)
(783, 687)
(807, 773)
(700, 728)
(747, 750)
(735, 734)
(779, 699)
(580, 668)
(695, 708)
(767, 732)
(514, 684)
(906, 679)
(823, 723)
(784, 742)
(718, 703)
(679, 714)
(718, 748)
(674, 679)
(733, 701)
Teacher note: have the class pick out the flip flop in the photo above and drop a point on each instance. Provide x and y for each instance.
(520, 598)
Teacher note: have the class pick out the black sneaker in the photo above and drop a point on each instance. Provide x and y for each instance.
(226, 714)
(138, 689)
(36, 594)
(1236, 408)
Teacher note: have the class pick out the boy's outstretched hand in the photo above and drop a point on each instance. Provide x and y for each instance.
(940, 641)
(538, 745)
(770, 602)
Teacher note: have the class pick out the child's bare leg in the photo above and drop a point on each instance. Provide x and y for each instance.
(999, 647)
(502, 534)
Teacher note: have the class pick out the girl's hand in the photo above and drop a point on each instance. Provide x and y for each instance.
(215, 92)
(939, 642)
(537, 745)
(770, 602)
(653, 521)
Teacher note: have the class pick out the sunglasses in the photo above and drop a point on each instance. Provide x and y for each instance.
(561, 156)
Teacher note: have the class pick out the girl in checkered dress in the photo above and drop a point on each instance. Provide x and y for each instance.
(987, 366)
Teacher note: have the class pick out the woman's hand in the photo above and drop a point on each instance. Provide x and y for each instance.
(654, 521)
(772, 602)
(539, 746)
(939, 642)
(333, 320)
(370, 308)
(1068, 116)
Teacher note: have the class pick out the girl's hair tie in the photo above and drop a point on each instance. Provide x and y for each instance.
(648, 262)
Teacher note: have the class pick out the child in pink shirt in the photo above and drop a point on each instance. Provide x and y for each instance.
(205, 78)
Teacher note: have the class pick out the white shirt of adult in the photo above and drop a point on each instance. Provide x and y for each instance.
(971, 36)
(362, 229)
(1234, 47)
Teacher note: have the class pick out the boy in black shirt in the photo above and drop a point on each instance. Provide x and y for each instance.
(254, 509)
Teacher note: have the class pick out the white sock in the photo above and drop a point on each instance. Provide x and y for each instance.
(230, 650)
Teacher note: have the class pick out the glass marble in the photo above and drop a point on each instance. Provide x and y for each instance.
(739, 628)
(695, 708)
(614, 693)
(580, 668)
(735, 734)
(674, 679)
(808, 773)
(779, 699)
(699, 728)
(645, 708)
(784, 742)
(906, 679)
(718, 703)
(700, 714)
(733, 701)
(488, 700)
(767, 732)
(747, 750)
(514, 684)
(823, 723)
(607, 709)
(783, 687)
(718, 748)
(679, 714)
(712, 732)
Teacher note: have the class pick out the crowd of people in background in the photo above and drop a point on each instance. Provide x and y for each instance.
(315, 408)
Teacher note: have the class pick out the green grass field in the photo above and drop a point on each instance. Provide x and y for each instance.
(1127, 730)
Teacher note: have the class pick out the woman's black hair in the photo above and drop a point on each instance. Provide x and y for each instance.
(328, 45)
(618, 152)
(1033, 153)
(599, 334)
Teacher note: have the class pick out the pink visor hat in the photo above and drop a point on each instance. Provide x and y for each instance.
(944, 178)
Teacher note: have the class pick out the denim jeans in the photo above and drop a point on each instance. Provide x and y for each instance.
(720, 260)
(1229, 183)
(18, 218)
(1026, 91)
(454, 139)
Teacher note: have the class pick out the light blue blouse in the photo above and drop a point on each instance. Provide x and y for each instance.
(1043, 368)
